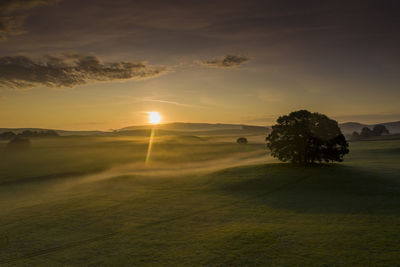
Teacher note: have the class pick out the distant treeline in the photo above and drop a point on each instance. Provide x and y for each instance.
(27, 134)
(366, 132)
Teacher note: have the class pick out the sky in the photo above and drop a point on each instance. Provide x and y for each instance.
(100, 64)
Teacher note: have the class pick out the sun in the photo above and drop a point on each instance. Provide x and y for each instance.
(154, 117)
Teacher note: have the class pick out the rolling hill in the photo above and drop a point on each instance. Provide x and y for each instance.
(182, 128)
(60, 132)
(350, 127)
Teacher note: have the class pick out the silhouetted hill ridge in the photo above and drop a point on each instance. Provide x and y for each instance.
(181, 128)
(350, 127)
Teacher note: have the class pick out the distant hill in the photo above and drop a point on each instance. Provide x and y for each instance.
(60, 132)
(200, 128)
(347, 127)
(203, 129)
(170, 129)
(350, 127)
(393, 127)
(184, 126)
(220, 132)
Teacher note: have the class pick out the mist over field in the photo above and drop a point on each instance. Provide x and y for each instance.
(199, 198)
(199, 133)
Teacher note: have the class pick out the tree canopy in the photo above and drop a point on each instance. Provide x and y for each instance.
(28, 133)
(366, 132)
(242, 140)
(303, 137)
(379, 130)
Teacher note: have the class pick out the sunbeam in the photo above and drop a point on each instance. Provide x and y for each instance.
(150, 146)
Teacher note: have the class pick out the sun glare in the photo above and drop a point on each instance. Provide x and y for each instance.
(154, 117)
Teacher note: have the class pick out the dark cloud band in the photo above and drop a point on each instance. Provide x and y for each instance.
(69, 70)
(229, 61)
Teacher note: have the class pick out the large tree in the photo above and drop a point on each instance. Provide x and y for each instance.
(303, 137)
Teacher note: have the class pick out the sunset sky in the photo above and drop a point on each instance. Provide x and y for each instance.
(101, 64)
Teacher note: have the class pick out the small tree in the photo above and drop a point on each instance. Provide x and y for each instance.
(366, 132)
(379, 129)
(242, 140)
(303, 137)
(7, 135)
(355, 136)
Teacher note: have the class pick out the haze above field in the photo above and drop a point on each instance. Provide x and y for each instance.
(180, 128)
(99, 65)
(93, 200)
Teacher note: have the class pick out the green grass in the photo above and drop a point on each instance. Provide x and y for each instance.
(272, 214)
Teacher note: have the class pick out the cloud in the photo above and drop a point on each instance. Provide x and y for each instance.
(69, 70)
(229, 61)
(12, 15)
(171, 102)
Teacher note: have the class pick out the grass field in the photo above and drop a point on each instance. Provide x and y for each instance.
(92, 202)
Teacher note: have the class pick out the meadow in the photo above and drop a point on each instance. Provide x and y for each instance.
(91, 201)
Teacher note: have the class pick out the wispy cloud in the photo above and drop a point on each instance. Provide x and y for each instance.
(11, 18)
(170, 102)
(226, 62)
(69, 70)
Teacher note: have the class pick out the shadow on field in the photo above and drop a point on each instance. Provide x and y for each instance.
(320, 189)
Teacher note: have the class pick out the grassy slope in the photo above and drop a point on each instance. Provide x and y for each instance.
(273, 214)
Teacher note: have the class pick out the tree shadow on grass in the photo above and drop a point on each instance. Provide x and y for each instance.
(327, 188)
